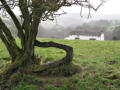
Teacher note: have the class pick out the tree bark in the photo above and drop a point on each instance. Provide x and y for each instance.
(9, 40)
(64, 61)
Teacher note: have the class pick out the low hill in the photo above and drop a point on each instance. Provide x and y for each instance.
(98, 65)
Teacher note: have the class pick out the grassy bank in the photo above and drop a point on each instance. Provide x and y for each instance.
(98, 61)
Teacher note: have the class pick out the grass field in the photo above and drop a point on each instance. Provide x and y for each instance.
(98, 61)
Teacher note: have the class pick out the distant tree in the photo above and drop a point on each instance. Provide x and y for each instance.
(100, 23)
(116, 33)
(115, 38)
(32, 13)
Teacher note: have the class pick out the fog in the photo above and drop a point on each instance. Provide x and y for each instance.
(106, 19)
(64, 25)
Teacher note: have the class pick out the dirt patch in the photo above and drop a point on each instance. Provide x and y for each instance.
(111, 62)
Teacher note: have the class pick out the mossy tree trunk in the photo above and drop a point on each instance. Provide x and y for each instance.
(23, 56)
(27, 31)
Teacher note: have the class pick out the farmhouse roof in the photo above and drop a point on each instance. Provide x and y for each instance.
(86, 33)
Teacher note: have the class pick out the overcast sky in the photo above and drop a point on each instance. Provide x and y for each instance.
(110, 7)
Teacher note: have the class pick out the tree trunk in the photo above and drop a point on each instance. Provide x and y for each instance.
(26, 59)
(24, 63)
(64, 61)
(23, 58)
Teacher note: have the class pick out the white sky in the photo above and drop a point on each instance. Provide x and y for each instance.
(109, 7)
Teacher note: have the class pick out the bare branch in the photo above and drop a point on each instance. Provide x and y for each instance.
(51, 6)
(14, 18)
(6, 31)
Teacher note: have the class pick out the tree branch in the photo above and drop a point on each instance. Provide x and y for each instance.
(9, 40)
(66, 60)
(15, 20)
(26, 18)
(25, 14)
(6, 31)
(7, 44)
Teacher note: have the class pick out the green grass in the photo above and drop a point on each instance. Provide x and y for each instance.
(99, 62)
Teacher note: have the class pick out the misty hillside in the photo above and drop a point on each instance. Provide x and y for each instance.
(74, 19)
(65, 24)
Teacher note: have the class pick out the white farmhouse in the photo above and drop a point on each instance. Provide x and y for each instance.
(86, 36)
